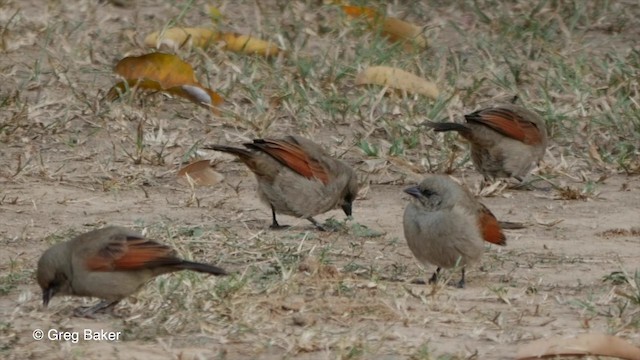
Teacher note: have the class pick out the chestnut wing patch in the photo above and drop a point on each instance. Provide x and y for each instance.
(124, 253)
(491, 231)
(293, 156)
(507, 123)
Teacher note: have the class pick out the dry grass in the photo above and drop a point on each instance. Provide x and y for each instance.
(72, 161)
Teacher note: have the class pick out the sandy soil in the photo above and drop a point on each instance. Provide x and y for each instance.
(528, 290)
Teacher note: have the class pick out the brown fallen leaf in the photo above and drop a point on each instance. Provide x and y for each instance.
(249, 45)
(585, 344)
(201, 173)
(395, 29)
(397, 79)
(594, 154)
(175, 38)
(163, 72)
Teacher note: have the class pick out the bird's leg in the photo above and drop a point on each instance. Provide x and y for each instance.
(434, 277)
(89, 312)
(461, 282)
(274, 224)
(316, 224)
(523, 185)
(485, 182)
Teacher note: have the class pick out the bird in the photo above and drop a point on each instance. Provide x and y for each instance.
(109, 263)
(505, 140)
(446, 226)
(297, 177)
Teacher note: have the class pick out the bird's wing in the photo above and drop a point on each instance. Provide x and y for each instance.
(125, 252)
(491, 231)
(292, 155)
(508, 123)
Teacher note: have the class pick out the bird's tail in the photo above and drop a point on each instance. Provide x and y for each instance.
(203, 268)
(446, 126)
(239, 152)
(510, 225)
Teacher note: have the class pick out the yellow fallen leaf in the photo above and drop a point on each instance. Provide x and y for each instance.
(215, 14)
(175, 38)
(249, 45)
(397, 79)
(200, 172)
(395, 29)
(400, 30)
(585, 344)
(163, 72)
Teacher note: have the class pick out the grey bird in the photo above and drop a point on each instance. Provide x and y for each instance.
(445, 225)
(297, 177)
(109, 263)
(505, 140)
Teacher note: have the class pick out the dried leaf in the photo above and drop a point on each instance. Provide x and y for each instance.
(249, 45)
(570, 193)
(163, 72)
(395, 29)
(175, 38)
(493, 189)
(201, 173)
(594, 154)
(397, 79)
(357, 11)
(585, 344)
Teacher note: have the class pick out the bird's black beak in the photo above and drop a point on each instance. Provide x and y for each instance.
(47, 294)
(413, 191)
(347, 208)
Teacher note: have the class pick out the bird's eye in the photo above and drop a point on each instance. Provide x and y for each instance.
(427, 192)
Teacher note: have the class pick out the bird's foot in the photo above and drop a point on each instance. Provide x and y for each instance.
(318, 226)
(90, 311)
(277, 226)
(460, 284)
(530, 183)
(522, 186)
(434, 277)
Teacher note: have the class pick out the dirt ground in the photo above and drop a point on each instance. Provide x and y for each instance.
(67, 166)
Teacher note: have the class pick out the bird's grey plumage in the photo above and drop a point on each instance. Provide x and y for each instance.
(285, 189)
(95, 264)
(495, 154)
(445, 225)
